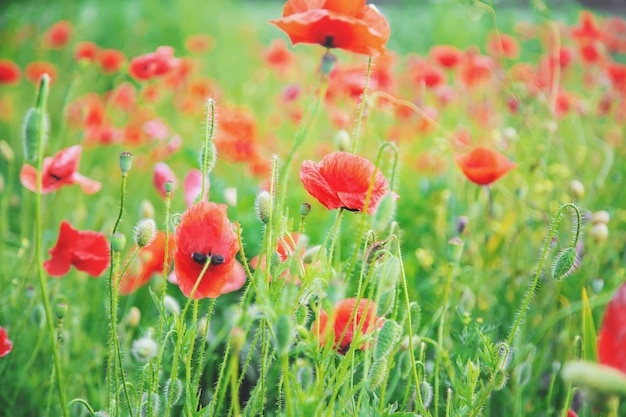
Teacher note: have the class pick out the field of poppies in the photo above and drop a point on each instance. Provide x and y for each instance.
(311, 208)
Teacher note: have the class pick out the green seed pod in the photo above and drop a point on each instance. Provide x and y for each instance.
(305, 209)
(343, 142)
(126, 162)
(60, 310)
(564, 264)
(378, 372)
(118, 241)
(388, 337)
(455, 250)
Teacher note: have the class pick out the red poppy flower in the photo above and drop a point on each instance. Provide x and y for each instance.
(483, 166)
(149, 261)
(111, 60)
(58, 171)
(503, 46)
(10, 73)
(162, 174)
(88, 251)
(152, 65)
(343, 328)
(204, 233)
(87, 51)
(342, 180)
(58, 35)
(612, 336)
(5, 344)
(346, 24)
(235, 279)
(446, 55)
(35, 70)
(278, 56)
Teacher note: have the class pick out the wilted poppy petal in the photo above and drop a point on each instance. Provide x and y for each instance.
(612, 336)
(5, 344)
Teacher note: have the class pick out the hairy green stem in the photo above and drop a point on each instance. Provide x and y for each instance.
(359, 120)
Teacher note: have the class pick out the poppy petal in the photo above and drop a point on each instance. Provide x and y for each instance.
(347, 7)
(317, 186)
(612, 336)
(6, 346)
(28, 177)
(88, 185)
(235, 280)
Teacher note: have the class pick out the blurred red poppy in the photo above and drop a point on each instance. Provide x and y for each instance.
(88, 251)
(58, 35)
(345, 24)
(5, 344)
(152, 65)
(278, 56)
(612, 335)
(87, 51)
(192, 186)
(35, 70)
(343, 328)
(111, 60)
(10, 73)
(162, 174)
(483, 166)
(58, 171)
(446, 55)
(342, 180)
(501, 45)
(204, 234)
(149, 261)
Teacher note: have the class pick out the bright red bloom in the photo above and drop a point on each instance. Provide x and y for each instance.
(342, 180)
(162, 174)
(152, 65)
(10, 73)
(58, 35)
(343, 328)
(5, 344)
(571, 413)
(483, 166)
(35, 70)
(586, 29)
(149, 261)
(204, 233)
(58, 171)
(278, 56)
(111, 60)
(612, 336)
(88, 251)
(87, 51)
(427, 74)
(503, 46)
(476, 69)
(446, 55)
(346, 24)
(236, 138)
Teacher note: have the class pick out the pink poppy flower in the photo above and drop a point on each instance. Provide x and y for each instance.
(192, 186)
(163, 174)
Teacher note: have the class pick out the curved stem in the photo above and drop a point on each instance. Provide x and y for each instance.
(208, 138)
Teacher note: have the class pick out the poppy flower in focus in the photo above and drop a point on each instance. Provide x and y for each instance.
(342, 180)
(152, 65)
(343, 328)
(483, 166)
(87, 51)
(162, 174)
(612, 335)
(5, 344)
(10, 73)
(35, 70)
(58, 171)
(58, 35)
(192, 186)
(203, 235)
(149, 261)
(111, 60)
(88, 251)
(350, 25)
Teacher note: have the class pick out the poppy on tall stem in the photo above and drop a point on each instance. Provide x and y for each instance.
(206, 246)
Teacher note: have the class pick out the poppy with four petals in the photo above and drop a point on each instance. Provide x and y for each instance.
(350, 25)
(87, 251)
(483, 166)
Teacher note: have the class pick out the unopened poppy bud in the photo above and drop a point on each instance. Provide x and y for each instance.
(174, 389)
(305, 209)
(36, 123)
(60, 310)
(378, 371)
(601, 216)
(302, 315)
(389, 272)
(284, 334)
(118, 241)
(455, 250)
(577, 188)
(144, 232)
(126, 162)
(426, 393)
(499, 379)
(564, 264)
(134, 317)
(387, 338)
(168, 186)
(171, 305)
(343, 142)
(207, 157)
(144, 349)
(328, 62)
(6, 151)
(599, 378)
(385, 213)
(600, 232)
(146, 209)
(237, 338)
(263, 206)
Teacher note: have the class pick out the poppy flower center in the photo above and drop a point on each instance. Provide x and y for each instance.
(201, 258)
(329, 41)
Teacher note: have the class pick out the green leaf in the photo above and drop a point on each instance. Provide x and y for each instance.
(590, 345)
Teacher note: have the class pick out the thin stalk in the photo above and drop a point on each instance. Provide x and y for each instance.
(442, 323)
(288, 399)
(359, 120)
